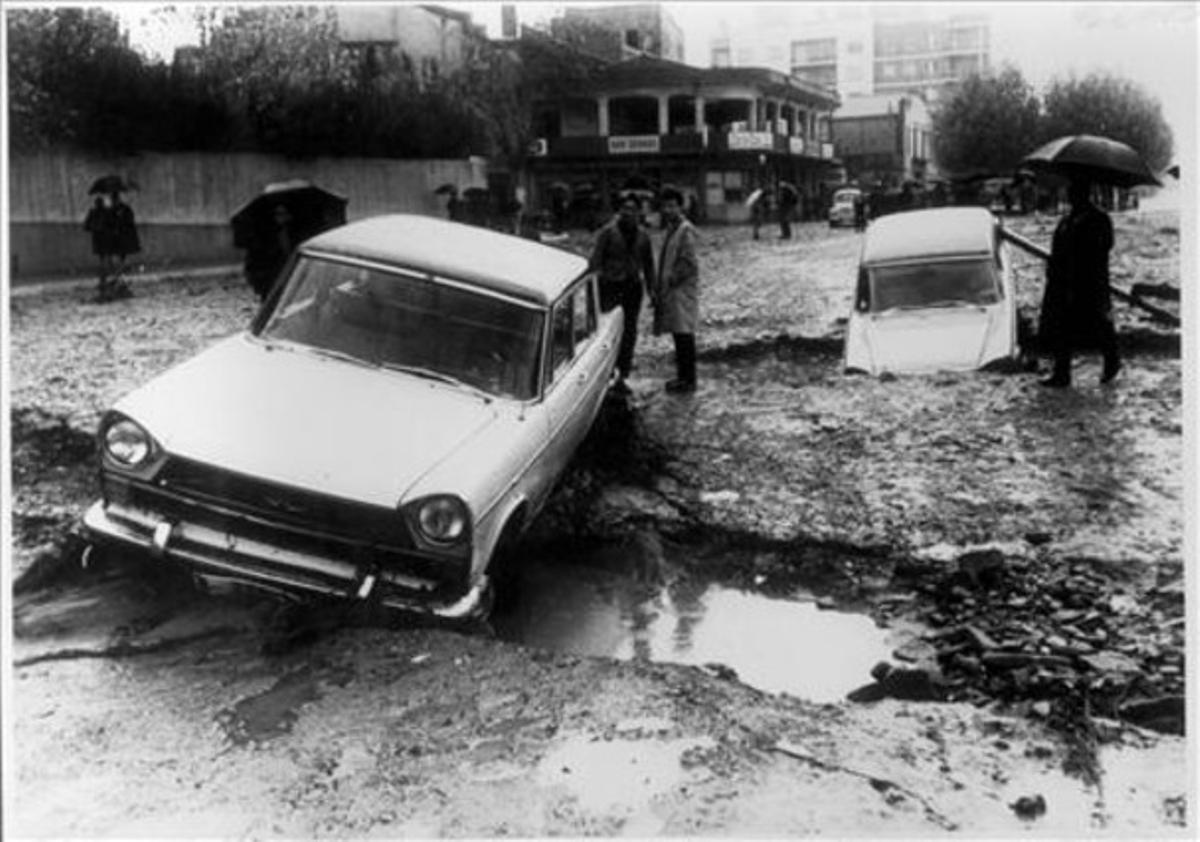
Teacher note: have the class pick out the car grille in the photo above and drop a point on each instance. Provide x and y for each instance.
(368, 537)
(283, 504)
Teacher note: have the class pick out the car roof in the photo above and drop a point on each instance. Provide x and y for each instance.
(488, 259)
(930, 232)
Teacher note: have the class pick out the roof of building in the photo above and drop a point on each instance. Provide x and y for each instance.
(493, 261)
(650, 71)
(870, 106)
(930, 233)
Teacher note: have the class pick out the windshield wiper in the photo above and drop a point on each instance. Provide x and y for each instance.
(300, 347)
(441, 377)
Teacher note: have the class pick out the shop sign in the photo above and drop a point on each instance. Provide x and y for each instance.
(634, 144)
(752, 140)
(796, 145)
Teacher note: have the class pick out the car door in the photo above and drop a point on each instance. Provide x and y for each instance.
(574, 370)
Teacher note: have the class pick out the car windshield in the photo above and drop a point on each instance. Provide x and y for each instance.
(397, 320)
(947, 283)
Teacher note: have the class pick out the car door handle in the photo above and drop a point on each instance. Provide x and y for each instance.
(581, 378)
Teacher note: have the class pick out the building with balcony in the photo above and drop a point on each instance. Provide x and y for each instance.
(717, 133)
(884, 140)
(618, 33)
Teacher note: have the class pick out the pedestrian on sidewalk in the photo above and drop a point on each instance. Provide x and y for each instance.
(1077, 303)
(624, 259)
(677, 290)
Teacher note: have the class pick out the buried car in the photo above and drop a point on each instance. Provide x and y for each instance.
(934, 292)
(392, 420)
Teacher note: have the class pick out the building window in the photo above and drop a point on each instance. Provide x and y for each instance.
(854, 47)
(814, 51)
(633, 39)
(720, 56)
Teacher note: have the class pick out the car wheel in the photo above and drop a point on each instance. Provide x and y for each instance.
(505, 590)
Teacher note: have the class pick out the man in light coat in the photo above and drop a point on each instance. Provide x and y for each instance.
(677, 290)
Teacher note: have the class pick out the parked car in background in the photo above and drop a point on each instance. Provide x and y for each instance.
(841, 208)
(389, 424)
(934, 291)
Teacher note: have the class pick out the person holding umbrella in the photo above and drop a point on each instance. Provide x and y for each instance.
(1077, 303)
(114, 234)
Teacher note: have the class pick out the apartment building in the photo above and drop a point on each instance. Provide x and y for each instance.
(861, 50)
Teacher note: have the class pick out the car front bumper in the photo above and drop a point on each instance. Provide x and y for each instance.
(216, 555)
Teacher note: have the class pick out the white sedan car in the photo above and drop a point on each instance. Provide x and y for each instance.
(934, 292)
(387, 427)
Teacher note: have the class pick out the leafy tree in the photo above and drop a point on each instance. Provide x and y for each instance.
(70, 71)
(1103, 104)
(987, 124)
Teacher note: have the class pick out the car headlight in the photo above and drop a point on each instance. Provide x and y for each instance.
(442, 519)
(127, 444)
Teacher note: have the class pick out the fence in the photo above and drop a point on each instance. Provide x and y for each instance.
(184, 201)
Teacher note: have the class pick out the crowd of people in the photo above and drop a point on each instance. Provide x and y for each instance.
(1076, 310)
(1075, 313)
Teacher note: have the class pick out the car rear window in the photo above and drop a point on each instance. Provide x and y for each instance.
(947, 283)
(391, 318)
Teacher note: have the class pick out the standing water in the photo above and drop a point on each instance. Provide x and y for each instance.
(774, 644)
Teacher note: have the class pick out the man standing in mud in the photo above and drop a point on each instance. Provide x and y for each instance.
(625, 260)
(1077, 304)
(677, 290)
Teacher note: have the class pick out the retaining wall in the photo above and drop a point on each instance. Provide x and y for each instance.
(184, 201)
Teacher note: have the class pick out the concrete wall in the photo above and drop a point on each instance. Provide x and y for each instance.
(184, 201)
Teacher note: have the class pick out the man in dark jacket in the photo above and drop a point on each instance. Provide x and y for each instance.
(625, 261)
(1077, 304)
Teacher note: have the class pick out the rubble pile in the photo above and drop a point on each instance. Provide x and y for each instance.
(1035, 630)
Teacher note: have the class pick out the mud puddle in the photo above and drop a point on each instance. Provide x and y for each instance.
(780, 644)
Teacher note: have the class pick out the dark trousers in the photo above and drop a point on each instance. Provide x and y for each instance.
(1107, 336)
(629, 297)
(685, 357)
(785, 224)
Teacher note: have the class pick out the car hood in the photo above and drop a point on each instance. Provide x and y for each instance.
(912, 341)
(307, 421)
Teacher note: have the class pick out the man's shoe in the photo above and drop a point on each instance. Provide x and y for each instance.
(1110, 372)
(1055, 382)
(680, 386)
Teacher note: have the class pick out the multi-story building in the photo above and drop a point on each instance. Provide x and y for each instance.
(863, 50)
(430, 41)
(621, 32)
(884, 140)
(717, 133)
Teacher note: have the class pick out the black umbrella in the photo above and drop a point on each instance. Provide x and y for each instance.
(1098, 159)
(106, 184)
(1173, 171)
(313, 209)
(446, 190)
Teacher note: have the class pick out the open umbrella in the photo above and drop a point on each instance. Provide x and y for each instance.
(106, 184)
(1098, 159)
(446, 190)
(313, 209)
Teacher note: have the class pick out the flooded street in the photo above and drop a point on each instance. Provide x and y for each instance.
(775, 644)
(991, 572)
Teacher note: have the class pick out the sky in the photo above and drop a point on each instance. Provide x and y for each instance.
(1153, 44)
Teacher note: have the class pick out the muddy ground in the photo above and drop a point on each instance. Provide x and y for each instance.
(1019, 550)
